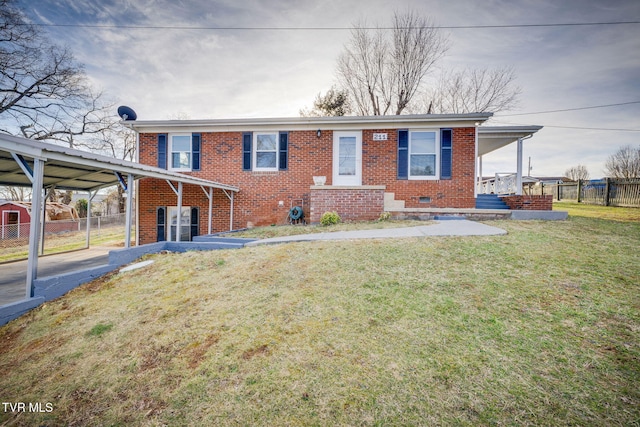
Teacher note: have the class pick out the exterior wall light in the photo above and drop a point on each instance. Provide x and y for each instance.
(319, 133)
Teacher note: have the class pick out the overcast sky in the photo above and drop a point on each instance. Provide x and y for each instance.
(204, 73)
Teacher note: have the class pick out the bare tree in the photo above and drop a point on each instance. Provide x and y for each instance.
(576, 173)
(624, 163)
(44, 92)
(475, 91)
(382, 74)
(15, 193)
(334, 103)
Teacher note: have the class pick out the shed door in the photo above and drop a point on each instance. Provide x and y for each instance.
(347, 158)
(11, 225)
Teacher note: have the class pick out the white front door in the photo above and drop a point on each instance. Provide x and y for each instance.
(347, 158)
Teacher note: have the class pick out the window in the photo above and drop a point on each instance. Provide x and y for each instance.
(167, 220)
(180, 151)
(424, 154)
(266, 152)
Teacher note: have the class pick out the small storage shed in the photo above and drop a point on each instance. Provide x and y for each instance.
(15, 218)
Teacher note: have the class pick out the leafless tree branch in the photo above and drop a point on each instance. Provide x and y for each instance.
(382, 74)
(624, 163)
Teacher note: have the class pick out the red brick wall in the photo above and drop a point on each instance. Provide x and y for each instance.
(379, 167)
(530, 203)
(260, 192)
(351, 203)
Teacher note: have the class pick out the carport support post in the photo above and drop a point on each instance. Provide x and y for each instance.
(127, 231)
(209, 194)
(179, 216)
(231, 214)
(34, 226)
(91, 196)
(209, 230)
(44, 218)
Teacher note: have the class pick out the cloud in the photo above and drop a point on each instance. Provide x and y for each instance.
(239, 73)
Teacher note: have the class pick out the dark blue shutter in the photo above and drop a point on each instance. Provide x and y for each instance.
(283, 151)
(195, 217)
(195, 151)
(247, 138)
(162, 151)
(161, 221)
(446, 153)
(403, 154)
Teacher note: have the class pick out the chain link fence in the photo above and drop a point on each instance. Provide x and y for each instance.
(61, 236)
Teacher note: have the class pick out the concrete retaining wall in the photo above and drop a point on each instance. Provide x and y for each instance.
(48, 288)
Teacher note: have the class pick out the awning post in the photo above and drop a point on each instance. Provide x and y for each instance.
(179, 216)
(88, 217)
(129, 209)
(34, 225)
(43, 218)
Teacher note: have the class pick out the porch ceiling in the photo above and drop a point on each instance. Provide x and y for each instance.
(491, 138)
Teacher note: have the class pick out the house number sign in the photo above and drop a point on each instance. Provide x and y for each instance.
(379, 136)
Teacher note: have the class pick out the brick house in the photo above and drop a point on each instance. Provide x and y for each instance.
(369, 165)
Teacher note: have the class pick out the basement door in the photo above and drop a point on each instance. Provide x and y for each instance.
(347, 158)
(185, 223)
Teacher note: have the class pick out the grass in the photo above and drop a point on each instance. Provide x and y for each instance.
(538, 327)
(613, 213)
(19, 249)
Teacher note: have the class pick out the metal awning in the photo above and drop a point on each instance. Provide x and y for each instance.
(26, 163)
(70, 169)
(491, 138)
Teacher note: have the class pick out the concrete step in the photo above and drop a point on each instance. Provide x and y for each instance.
(490, 201)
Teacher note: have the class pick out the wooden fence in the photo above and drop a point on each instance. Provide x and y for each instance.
(606, 192)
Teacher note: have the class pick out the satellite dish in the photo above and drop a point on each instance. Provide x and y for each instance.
(127, 113)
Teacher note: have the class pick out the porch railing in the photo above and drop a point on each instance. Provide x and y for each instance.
(502, 183)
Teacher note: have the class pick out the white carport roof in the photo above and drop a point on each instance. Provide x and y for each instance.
(41, 165)
(70, 169)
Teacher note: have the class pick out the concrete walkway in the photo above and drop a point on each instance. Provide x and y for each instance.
(461, 227)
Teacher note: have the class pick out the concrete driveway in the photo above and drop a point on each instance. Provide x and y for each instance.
(13, 275)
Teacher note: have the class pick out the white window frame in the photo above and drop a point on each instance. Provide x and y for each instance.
(185, 222)
(347, 180)
(170, 150)
(436, 175)
(254, 154)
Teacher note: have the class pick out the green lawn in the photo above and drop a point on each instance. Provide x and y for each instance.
(13, 250)
(538, 327)
(596, 211)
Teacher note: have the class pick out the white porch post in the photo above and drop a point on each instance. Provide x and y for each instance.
(519, 171)
(34, 225)
(479, 183)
